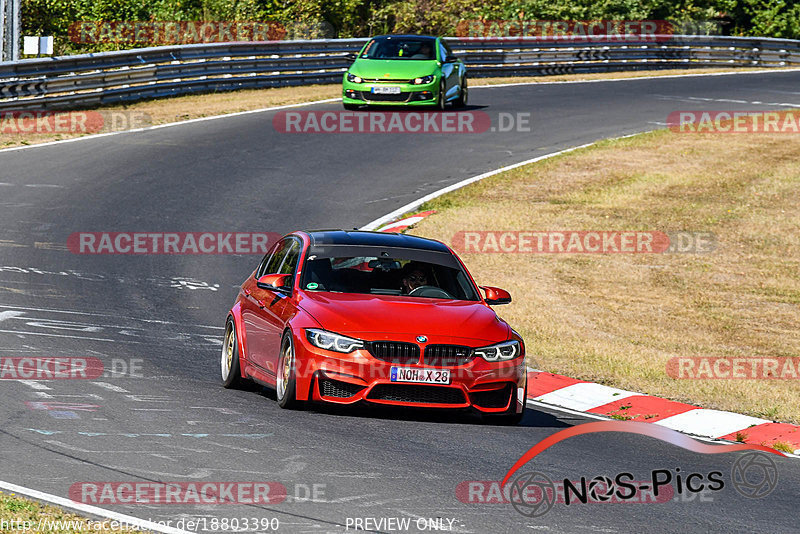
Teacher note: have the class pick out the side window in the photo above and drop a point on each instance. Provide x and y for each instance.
(442, 52)
(290, 259)
(276, 259)
(262, 266)
(447, 51)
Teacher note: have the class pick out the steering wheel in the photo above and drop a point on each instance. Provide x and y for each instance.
(430, 291)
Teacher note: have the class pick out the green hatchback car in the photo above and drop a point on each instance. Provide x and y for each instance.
(405, 70)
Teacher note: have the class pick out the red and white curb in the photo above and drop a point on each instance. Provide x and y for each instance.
(402, 224)
(597, 399)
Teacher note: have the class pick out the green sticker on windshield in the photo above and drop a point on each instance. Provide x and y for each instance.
(312, 285)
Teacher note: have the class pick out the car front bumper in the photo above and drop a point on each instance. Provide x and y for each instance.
(410, 94)
(488, 387)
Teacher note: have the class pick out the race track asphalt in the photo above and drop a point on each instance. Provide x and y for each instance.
(173, 422)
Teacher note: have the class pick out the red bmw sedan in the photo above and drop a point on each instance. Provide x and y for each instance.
(350, 316)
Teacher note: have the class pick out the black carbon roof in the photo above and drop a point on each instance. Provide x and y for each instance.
(377, 239)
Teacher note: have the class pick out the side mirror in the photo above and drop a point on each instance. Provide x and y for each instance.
(495, 295)
(274, 281)
(350, 56)
(450, 59)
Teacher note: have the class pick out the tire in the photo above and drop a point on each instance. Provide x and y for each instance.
(286, 376)
(351, 107)
(509, 420)
(229, 358)
(442, 102)
(463, 95)
(510, 417)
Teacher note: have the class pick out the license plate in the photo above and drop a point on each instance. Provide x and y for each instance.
(420, 376)
(386, 90)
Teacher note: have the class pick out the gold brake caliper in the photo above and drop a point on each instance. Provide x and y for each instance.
(230, 348)
(287, 365)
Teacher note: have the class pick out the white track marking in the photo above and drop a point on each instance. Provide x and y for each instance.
(10, 315)
(91, 510)
(25, 333)
(726, 101)
(536, 404)
(169, 124)
(75, 448)
(233, 447)
(328, 100)
(93, 396)
(116, 316)
(634, 78)
(110, 387)
(34, 384)
(389, 217)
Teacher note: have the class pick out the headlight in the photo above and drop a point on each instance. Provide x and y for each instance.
(507, 350)
(330, 341)
(422, 81)
(353, 78)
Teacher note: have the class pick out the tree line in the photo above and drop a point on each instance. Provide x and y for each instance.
(81, 26)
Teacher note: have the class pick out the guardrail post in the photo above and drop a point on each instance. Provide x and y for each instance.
(2, 30)
(9, 30)
(15, 29)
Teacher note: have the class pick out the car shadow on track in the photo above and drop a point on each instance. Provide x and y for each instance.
(532, 417)
(377, 107)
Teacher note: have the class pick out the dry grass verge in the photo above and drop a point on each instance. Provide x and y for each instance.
(20, 515)
(618, 318)
(603, 76)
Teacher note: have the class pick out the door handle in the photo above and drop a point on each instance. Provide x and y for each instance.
(247, 291)
(262, 304)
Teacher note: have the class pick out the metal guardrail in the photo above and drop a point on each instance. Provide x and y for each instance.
(111, 77)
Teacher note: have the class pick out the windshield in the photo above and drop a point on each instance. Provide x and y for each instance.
(403, 48)
(386, 276)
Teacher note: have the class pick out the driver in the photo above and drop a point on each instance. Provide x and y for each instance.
(424, 52)
(415, 277)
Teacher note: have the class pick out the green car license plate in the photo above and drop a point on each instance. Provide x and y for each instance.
(386, 90)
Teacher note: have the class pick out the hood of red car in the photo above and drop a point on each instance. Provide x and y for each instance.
(397, 317)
